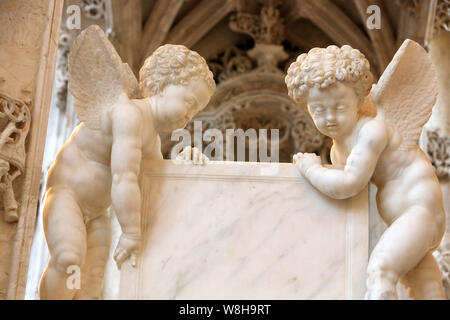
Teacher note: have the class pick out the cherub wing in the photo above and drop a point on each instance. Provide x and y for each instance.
(406, 92)
(97, 77)
(132, 83)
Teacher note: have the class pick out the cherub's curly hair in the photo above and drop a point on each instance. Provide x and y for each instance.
(173, 64)
(322, 67)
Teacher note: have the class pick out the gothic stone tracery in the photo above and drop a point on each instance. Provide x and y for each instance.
(14, 125)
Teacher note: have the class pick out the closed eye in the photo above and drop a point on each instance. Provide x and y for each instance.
(317, 109)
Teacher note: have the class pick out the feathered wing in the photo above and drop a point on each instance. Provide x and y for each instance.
(406, 92)
(97, 76)
(132, 86)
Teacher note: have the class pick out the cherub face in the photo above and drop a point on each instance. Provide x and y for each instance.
(179, 103)
(334, 109)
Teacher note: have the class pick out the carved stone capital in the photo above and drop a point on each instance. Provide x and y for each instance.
(267, 27)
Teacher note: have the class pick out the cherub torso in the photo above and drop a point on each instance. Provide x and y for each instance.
(83, 165)
(404, 178)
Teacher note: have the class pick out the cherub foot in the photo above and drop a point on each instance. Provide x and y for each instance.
(380, 295)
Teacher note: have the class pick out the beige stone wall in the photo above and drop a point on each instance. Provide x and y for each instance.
(27, 55)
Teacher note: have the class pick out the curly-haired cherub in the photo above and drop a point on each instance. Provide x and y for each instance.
(378, 145)
(99, 164)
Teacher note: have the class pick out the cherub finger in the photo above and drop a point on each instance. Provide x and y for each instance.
(187, 153)
(195, 156)
(121, 258)
(116, 252)
(133, 259)
(205, 159)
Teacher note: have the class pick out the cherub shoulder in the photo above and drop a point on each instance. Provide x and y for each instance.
(374, 132)
(126, 115)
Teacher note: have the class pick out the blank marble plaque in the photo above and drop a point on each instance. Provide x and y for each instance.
(235, 230)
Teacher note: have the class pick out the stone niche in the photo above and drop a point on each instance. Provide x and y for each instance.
(239, 230)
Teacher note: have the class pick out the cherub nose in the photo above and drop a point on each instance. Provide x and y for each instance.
(331, 115)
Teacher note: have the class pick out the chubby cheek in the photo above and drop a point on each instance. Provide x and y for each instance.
(345, 120)
(321, 124)
(173, 111)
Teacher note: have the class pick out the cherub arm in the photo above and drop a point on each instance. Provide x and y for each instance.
(360, 165)
(126, 157)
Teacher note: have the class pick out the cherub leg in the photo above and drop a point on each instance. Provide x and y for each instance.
(65, 233)
(98, 245)
(424, 281)
(402, 246)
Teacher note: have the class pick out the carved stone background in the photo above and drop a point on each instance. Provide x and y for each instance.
(251, 92)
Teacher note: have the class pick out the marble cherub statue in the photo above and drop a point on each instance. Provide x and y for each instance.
(378, 145)
(99, 164)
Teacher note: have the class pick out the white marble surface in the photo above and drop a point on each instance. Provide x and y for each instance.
(226, 231)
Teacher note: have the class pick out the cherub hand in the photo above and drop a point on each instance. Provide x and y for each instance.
(304, 161)
(127, 247)
(192, 155)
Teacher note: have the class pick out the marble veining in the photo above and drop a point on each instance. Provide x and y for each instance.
(224, 231)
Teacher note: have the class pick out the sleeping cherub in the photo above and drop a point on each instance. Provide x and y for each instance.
(379, 146)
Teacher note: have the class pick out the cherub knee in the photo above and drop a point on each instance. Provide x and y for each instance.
(66, 259)
(380, 269)
(97, 271)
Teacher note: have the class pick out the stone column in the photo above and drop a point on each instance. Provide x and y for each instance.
(28, 44)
